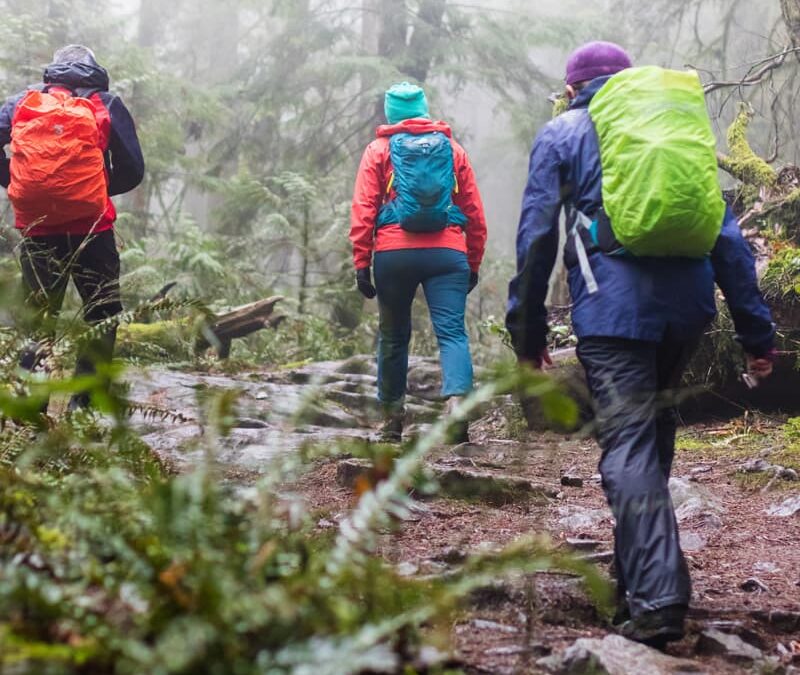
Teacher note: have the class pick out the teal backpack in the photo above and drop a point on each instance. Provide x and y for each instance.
(661, 193)
(424, 182)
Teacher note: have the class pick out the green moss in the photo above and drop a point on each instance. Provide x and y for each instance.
(690, 444)
(741, 162)
(560, 106)
(781, 279)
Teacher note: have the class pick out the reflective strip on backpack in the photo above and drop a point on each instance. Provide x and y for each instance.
(582, 220)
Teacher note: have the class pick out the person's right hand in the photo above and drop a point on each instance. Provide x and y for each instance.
(364, 283)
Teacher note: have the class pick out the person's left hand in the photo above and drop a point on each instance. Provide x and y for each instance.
(759, 368)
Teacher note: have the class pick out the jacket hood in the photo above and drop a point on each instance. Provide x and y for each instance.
(77, 76)
(584, 98)
(415, 126)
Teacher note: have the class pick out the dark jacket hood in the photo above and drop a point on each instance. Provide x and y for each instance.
(77, 76)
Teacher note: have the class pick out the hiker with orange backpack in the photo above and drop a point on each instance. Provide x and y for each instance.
(633, 163)
(73, 147)
(418, 219)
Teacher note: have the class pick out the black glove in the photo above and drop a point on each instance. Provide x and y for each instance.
(473, 281)
(364, 283)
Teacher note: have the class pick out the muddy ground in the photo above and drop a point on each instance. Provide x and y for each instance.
(745, 563)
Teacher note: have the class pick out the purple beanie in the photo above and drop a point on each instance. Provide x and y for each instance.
(596, 59)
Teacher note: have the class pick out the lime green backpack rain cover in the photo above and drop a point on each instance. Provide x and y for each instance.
(660, 186)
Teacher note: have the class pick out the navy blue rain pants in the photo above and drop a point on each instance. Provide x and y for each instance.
(444, 275)
(633, 384)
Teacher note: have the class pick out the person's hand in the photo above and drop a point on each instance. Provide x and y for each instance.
(759, 368)
(539, 362)
(473, 281)
(364, 283)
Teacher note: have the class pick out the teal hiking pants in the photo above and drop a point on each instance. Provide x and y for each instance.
(444, 275)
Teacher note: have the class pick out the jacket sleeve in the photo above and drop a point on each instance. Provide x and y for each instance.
(6, 117)
(127, 163)
(367, 198)
(537, 248)
(468, 199)
(735, 274)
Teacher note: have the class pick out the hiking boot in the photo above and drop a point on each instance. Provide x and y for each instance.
(391, 430)
(458, 431)
(657, 628)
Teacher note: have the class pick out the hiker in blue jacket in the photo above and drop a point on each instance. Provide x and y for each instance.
(636, 331)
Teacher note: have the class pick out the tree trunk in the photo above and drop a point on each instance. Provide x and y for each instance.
(791, 15)
(304, 253)
(422, 47)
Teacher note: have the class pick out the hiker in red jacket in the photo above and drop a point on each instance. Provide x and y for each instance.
(74, 146)
(417, 216)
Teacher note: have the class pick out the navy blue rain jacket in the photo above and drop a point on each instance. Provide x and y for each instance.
(638, 298)
(124, 157)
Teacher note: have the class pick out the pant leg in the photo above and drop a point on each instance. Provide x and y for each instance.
(45, 275)
(396, 280)
(672, 358)
(623, 379)
(96, 271)
(446, 294)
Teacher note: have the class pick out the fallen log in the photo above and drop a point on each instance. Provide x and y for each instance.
(181, 338)
(238, 323)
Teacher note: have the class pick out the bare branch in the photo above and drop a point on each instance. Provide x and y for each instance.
(754, 77)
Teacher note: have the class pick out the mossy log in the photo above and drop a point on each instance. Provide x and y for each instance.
(181, 338)
(742, 162)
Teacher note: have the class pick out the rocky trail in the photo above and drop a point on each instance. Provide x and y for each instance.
(735, 489)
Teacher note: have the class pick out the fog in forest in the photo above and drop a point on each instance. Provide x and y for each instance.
(253, 115)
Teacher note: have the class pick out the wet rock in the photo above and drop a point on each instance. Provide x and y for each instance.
(451, 556)
(614, 655)
(731, 647)
(482, 624)
(250, 423)
(693, 542)
(740, 629)
(406, 569)
(578, 518)
(754, 585)
(759, 465)
(601, 557)
(349, 471)
(583, 544)
(358, 365)
(779, 620)
(695, 501)
(487, 487)
(785, 509)
(568, 480)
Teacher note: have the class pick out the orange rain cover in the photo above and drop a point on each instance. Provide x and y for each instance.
(58, 173)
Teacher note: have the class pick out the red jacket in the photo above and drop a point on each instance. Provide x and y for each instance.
(370, 190)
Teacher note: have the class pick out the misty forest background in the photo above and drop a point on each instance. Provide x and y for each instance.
(253, 116)
(145, 538)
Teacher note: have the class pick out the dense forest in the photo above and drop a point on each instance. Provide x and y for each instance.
(221, 510)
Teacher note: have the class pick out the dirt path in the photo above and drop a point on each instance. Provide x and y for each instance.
(725, 530)
(745, 564)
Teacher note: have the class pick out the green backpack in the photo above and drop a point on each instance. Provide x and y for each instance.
(660, 187)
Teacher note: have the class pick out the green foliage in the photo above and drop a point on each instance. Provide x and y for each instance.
(781, 281)
(110, 564)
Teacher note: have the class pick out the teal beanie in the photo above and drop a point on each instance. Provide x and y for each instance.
(404, 102)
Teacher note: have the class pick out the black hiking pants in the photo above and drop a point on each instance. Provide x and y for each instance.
(92, 262)
(633, 384)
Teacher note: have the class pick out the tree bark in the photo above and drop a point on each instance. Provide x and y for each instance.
(791, 16)
(422, 47)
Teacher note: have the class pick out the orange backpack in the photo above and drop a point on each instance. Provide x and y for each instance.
(58, 172)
